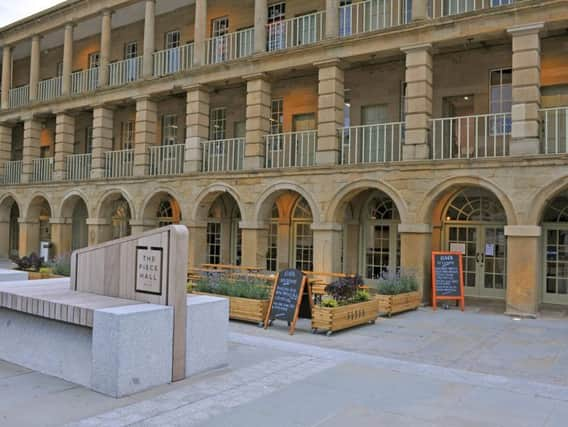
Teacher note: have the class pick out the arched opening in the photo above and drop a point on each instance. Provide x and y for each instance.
(472, 221)
(555, 253)
(290, 235)
(116, 212)
(224, 236)
(9, 227)
(162, 210)
(38, 227)
(75, 230)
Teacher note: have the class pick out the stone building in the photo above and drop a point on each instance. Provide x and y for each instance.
(328, 135)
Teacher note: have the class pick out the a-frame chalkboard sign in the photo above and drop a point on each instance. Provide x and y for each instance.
(447, 278)
(289, 288)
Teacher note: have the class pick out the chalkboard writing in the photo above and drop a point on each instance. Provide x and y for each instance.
(447, 277)
(286, 297)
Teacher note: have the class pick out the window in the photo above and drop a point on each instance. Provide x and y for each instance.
(276, 31)
(277, 116)
(130, 50)
(219, 27)
(88, 140)
(169, 129)
(218, 124)
(172, 40)
(94, 60)
(168, 213)
(120, 219)
(500, 100)
(345, 18)
(303, 236)
(213, 243)
(128, 132)
(272, 250)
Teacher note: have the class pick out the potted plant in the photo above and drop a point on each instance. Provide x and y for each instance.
(248, 296)
(60, 266)
(32, 264)
(344, 305)
(397, 292)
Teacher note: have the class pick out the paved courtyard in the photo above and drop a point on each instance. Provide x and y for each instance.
(418, 369)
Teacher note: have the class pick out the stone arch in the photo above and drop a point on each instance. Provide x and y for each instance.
(451, 186)
(543, 197)
(73, 214)
(111, 195)
(347, 192)
(10, 210)
(206, 198)
(34, 207)
(6, 202)
(266, 200)
(151, 205)
(69, 202)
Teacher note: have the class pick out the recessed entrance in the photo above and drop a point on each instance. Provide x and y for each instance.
(555, 253)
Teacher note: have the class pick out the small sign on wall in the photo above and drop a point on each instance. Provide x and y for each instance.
(149, 263)
(457, 247)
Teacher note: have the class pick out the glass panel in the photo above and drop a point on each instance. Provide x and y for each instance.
(468, 237)
(378, 251)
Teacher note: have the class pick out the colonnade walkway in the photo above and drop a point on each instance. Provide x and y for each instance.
(419, 369)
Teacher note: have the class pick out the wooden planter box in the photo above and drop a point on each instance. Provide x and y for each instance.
(34, 275)
(248, 310)
(392, 304)
(338, 318)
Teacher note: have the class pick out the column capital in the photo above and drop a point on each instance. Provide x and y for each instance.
(330, 226)
(70, 25)
(196, 224)
(417, 47)
(107, 12)
(37, 37)
(526, 29)
(333, 62)
(523, 231)
(144, 97)
(104, 105)
(196, 86)
(415, 228)
(60, 220)
(97, 221)
(251, 225)
(256, 76)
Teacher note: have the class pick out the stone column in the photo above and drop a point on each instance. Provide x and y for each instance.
(67, 60)
(197, 244)
(420, 10)
(197, 126)
(526, 89)
(6, 76)
(149, 39)
(327, 247)
(331, 102)
(32, 131)
(418, 101)
(254, 244)
(145, 137)
(64, 142)
(99, 230)
(34, 66)
(260, 23)
(524, 264)
(29, 236)
(5, 241)
(61, 230)
(5, 144)
(331, 19)
(106, 28)
(103, 124)
(259, 100)
(200, 32)
(416, 254)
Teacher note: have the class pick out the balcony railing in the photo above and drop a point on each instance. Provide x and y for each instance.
(291, 150)
(174, 60)
(84, 81)
(223, 155)
(299, 31)
(78, 167)
(12, 172)
(19, 96)
(373, 15)
(42, 170)
(441, 8)
(230, 46)
(49, 89)
(471, 137)
(379, 143)
(554, 130)
(126, 71)
(167, 160)
(119, 164)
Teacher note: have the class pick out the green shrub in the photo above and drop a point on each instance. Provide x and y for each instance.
(329, 302)
(249, 288)
(395, 284)
(362, 296)
(61, 265)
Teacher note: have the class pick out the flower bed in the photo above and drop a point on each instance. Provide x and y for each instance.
(398, 293)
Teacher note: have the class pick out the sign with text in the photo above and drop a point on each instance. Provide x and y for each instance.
(286, 298)
(149, 268)
(447, 278)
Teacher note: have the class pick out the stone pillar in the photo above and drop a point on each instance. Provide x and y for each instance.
(416, 254)
(5, 241)
(197, 126)
(103, 124)
(61, 230)
(524, 264)
(64, 142)
(34, 66)
(420, 10)
(106, 28)
(99, 230)
(140, 226)
(526, 89)
(6, 76)
(67, 60)
(331, 19)
(331, 102)
(259, 100)
(5, 144)
(197, 244)
(418, 101)
(254, 244)
(149, 39)
(200, 32)
(29, 237)
(146, 123)
(327, 247)
(260, 23)
(32, 131)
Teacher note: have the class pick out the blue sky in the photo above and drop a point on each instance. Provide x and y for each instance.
(12, 10)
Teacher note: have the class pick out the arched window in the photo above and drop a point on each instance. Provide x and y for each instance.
(475, 205)
(557, 211)
(303, 236)
(272, 251)
(168, 213)
(120, 218)
(382, 208)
